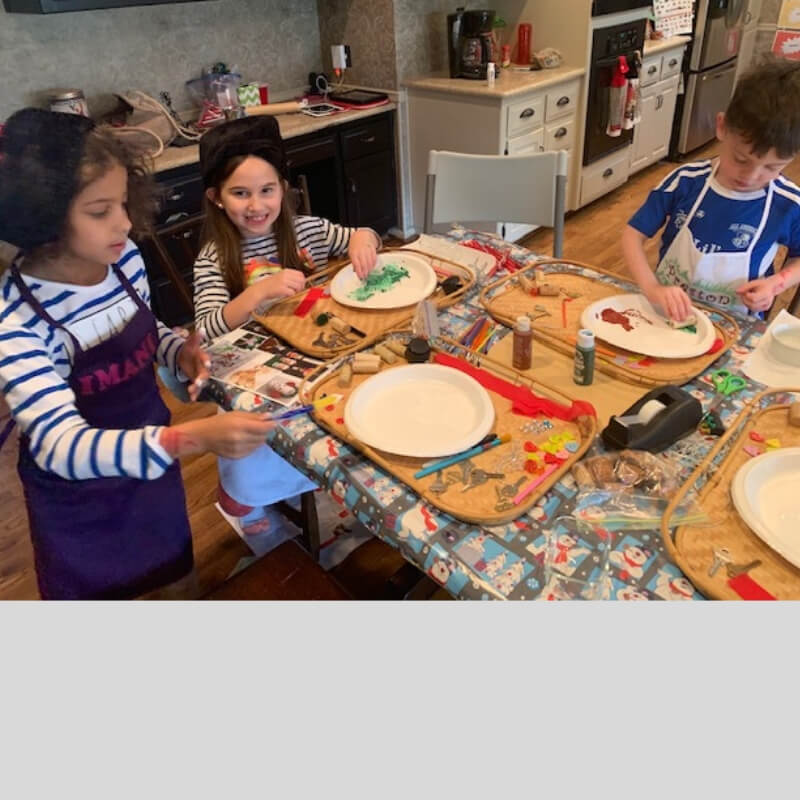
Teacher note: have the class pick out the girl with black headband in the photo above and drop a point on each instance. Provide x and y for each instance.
(97, 456)
(255, 251)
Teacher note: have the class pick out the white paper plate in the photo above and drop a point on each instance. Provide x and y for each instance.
(764, 492)
(650, 334)
(420, 410)
(349, 290)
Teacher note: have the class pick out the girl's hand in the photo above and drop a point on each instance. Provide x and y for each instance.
(672, 300)
(233, 435)
(758, 295)
(363, 252)
(195, 363)
(282, 284)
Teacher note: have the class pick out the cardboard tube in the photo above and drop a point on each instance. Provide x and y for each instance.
(345, 376)
(340, 326)
(363, 367)
(396, 346)
(385, 353)
(273, 108)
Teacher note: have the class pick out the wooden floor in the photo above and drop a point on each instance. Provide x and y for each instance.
(374, 570)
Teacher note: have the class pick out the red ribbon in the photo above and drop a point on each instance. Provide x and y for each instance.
(523, 400)
(503, 259)
(308, 301)
(748, 589)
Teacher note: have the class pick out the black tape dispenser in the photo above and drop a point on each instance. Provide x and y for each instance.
(655, 421)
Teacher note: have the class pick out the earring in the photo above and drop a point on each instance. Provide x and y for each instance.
(219, 205)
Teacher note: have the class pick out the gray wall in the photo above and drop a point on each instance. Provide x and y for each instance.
(154, 48)
(421, 35)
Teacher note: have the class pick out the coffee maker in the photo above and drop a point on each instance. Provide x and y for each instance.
(469, 43)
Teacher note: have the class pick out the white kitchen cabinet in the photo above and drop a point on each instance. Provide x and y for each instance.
(651, 136)
(449, 114)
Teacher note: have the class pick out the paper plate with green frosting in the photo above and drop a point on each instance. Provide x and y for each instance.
(397, 280)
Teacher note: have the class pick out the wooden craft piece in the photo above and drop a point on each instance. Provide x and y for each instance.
(489, 498)
(385, 353)
(367, 325)
(794, 415)
(345, 375)
(505, 300)
(692, 547)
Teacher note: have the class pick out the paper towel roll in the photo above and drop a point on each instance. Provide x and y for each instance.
(646, 413)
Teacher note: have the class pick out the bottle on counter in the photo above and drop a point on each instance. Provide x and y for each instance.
(583, 370)
(490, 73)
(522, 344)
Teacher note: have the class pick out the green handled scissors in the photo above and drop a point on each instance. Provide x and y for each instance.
(726, 383)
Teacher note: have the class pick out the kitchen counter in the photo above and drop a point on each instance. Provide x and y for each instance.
(291, 125)
(507, 84)
(652, 46)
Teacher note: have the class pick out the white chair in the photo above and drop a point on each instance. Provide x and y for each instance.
(527, 188)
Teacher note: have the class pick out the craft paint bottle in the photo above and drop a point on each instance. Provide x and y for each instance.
(522, 344)
(583, 370)
(490, 74)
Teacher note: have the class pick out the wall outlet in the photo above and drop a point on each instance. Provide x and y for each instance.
(340, 55)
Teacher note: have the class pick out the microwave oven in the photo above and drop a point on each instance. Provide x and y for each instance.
(601, 7)
(54, 6)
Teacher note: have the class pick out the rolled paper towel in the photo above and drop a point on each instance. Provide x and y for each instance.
(645, 414)
(275, 108)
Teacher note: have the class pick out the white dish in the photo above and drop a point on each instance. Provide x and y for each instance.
(784, 344)
(764, 492)
(414, 281)
(420, 410)
(648, 333)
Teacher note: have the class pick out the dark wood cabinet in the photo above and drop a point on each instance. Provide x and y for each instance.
(345, 173)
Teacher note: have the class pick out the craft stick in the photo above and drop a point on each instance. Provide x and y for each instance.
(468, 332)
(481, 340)
(478, 332)
(474, 451)
(529, 487)
(294, 412)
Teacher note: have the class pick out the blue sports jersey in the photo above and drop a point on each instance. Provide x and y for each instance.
(726, 220)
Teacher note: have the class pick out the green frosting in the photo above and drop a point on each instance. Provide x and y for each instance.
(379, 280)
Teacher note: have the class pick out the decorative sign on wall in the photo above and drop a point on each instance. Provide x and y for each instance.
(787, 44)
(790, 15)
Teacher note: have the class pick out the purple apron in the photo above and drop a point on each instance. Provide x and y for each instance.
(108, 538)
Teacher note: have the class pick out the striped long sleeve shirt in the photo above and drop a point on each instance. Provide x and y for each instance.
(318, 236)
(35, 363)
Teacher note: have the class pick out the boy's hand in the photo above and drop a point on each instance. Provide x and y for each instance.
(194, 363)
(363, 252)
(234, 435)
(758, 295)
(672, 300)
(282, 284)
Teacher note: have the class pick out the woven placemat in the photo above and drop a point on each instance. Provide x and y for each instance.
(557, 320)
(367, 325)
(492, 502)
(692, 546)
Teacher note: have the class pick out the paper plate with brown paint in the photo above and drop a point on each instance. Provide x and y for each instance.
(630, 321)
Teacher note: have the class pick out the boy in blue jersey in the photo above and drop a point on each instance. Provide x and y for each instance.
(725, 219)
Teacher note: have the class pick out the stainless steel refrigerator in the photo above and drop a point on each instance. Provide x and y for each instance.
(709, 72)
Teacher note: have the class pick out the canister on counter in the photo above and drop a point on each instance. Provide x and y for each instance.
(68, 101)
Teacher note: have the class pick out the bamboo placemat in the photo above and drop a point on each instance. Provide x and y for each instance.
(492, 502)
(367, 325)
(557, 320)
(692, 546)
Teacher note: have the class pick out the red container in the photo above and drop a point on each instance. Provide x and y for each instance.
(524, 43)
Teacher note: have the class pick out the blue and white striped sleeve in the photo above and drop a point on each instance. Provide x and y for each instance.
(211, 293)
(61, 441)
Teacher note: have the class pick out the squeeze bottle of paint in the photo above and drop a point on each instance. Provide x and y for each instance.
(583, 371)
(523, 339)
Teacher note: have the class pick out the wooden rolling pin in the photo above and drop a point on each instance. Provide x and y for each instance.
(274, 108)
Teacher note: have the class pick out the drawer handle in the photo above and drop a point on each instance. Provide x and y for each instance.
(562, 101)
(560, 132)
(673, 62)
(175, 196)
(652, 70)
(608, 173)
(368, 140)
(528, 112)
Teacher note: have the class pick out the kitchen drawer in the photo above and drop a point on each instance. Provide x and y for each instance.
(650, 71)
(178, 198)
(671, 63)
(532, 142)
(560, 135)
(561, 101)
(598, 179)
(372, 136)
(661, 86)
(525, 115)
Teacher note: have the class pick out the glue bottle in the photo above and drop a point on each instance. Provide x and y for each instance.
(490, 73)
(523, 339)
(583, 370)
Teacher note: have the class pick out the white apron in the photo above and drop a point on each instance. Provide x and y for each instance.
(710, 277)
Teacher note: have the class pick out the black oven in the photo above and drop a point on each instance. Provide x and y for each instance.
(608, 44)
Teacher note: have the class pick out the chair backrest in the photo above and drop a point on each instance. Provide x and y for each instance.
(528, 188)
